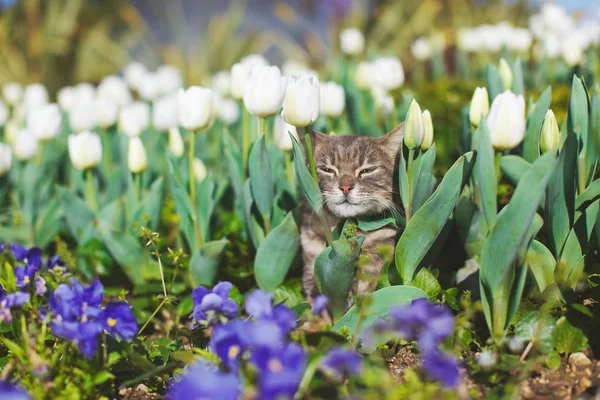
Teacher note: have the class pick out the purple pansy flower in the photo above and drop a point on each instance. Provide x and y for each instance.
(341, 363)
(9, 301)
(259, 304)
(82, 334)
(212, 307)
(117, 319)
(204, 381)
(2, 247)
(280, 370)
(442, 367)
(319, 304)
(40, 285)
(227, 342)
(25, 275)
(55, 262)
(12, 391)
(26, 255)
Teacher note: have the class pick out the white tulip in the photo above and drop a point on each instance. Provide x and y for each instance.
(491, 40)
(281, 133)
(164, 113)
(195, 107)
(149, 87)
(414, 131)
(506, 121)
(292, 67)
(520, 40)
(254, 60)
(421, 49)
(134, 118)
(20, 112)
(387, 73)
(468, 40)
(228, 111)
(66, 98)
(35, 95)
(301, 104)
(222, 82)
(169, 79)
(11, 130)
(363, 75)
(480, 106)
(44, 121)
(352, 42)
(107, 112)
(85, 93)
(333, 99)
(427, 130)
(85, 150)
(82, 116)
(263, 93)
(200, 172)
(552, 47)
(572, 54)
(176, 142)
(3, 113)
(385, 104)
(136, 155)
(114, 89)
(26, 145)
(12, 92)
(506, 74)
(5, 158)
(239, 76)
(550, 134)
(134, 74)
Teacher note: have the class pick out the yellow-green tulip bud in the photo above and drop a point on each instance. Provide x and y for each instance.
(200, 171)
(550, 136)
(413, 131)
(427, 130)
(480, 106)
(136, 156)
(506, 74)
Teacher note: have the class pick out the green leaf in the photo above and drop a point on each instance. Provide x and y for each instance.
(183, 202)
(367, 224)
(128, 252)
(403, 180)
(254, 231)
(535, 119)
(427, 223)
(595, 119)
(276, 254)
(204, 264)
(494, 81)
(569, 339)
(102, 377)
(517, 71)
(426, 181)
(261, 181)
(427, 282)
(49, 222)
(77, 213)
(590, 195)
(514, 167)
(309, 186)
(486, 175)
(334, 272)
(542, 264)
(537, 327)
(553, 360)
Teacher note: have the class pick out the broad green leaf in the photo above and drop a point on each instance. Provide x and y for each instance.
(486, 175)
(494, 81)
(537, 327)
(128, 252)
(590, 195)
(542, 264)
(48, 222)
(77, 213)
(261, 181)
(183, 202)
(569, 339)
(514, 167)
(276, 254)
(535, 119)
(425, 226)
(403, 180)
(254, 231)
(425, 183)
(517, 71)
(309, 186)
(595, 119)
(205, 261)
(427, 282)
(334, 272)
(367, 224)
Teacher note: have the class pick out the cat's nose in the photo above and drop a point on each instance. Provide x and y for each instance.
(346, 188)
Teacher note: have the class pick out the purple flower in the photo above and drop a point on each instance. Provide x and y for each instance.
(442, 367)
(204, 381)
(55, 262)
(117, 319)
(25, 275)
(74, 301)
(2, 247)
(341, 363)
(82, 334)
(336, 8)
(12, 391)
(259, 305)
(40, 286)
(319, 304)
(227, 342)
(280, 370)
(212, 307)
(9, 301)
(26, 255)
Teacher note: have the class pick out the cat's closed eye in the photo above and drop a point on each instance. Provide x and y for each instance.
(326, 169)
(367, 170)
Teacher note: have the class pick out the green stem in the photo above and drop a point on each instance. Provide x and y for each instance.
(289, 171)
(192, 177)
(409, 165)
(309, 373)
(497, 165)
(262, 128)
(91, 191)
(267, 223)
(152, 316)
(138, 185)
(245, 139)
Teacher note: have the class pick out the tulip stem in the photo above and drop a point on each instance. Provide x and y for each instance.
(497, 165)
(245, 139)
(138, 186)
(289, 171)
(91, 191)
(262, 128)
(409, 166)
(192, 177)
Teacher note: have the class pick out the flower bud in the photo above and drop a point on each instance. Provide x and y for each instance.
(301, 104)
(222, 82)
(228, 111)
(35, 95)
(134, 118)
(44, 121)
(134, 74)
(362, 75)
(387, 73)
(136, 155)
(114, 89)
(82, 117)
(200, 171)
(85, 150)
(281, 132)
(422, 49)
(107, 112)
(239, 76)
(427, 130)
(413, 129)
(11, 130)
(333, 99)
(149, 88)
(66, 98)
(506, 121)
(480, 106)
(550, 136)
(263, 93)
(164, 113)
(176, 142)
(195, 108)
(169, 79)
(5, 158)
(13, 93)
(506, 74)
(352, 42)
(85, 93)
(26, 145)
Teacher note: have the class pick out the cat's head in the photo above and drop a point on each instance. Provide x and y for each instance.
(356, 173)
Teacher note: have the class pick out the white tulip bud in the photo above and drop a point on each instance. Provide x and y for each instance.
(135, 74)
(114, 89)
(413, 129)
(35, 95)
(66, 98)
(573, 54)
(486, 359)
(169, 79)
(263, 93)
(195, 107)
(13, 93)
(385, 104)
(82, 117)
(85, 150)
(85, 93)
(387, 73)
(333, 99)
(44, 121)
(149, 88)
(506, 121)
(222, 82)
(228, 111)
(107, 112)
(176, 142)
(11, 130)
(239, 76)
(134, 118)
(281, 132)
(26, 145)
(3, 113)
(352, 42)
(506, 74)
(362, 75)
(5, 158)
(421, 49)
(136, 155)
(301, 104)
(164, 113)
(480, 106)
(255, 60)
(427, 130)
(200, 172)
(550, 135)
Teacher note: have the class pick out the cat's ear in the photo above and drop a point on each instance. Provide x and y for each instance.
(391, 143)
(317, 138)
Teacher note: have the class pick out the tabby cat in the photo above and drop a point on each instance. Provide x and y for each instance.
(356, 178)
